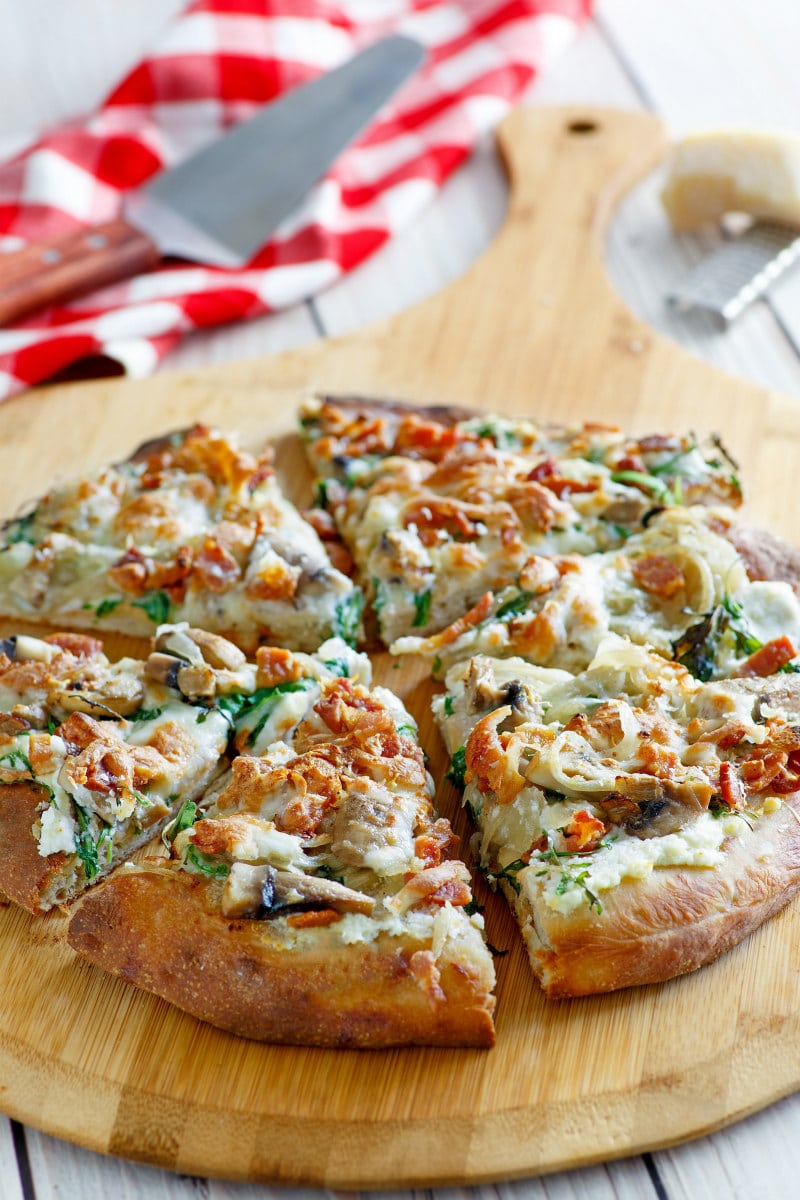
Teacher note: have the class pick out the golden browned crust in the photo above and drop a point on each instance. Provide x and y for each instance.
(766, 556)
(675, 920)
(162, 931)
(25, 876)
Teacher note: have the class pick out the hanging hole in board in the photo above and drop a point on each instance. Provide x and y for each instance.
(582, 126)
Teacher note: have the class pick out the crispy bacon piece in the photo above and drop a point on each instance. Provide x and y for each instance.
(215, 567)
(434, 515)
(428, 438)
(344, 707)
(658, 575)
(727, 736)
(136, 574)
(274, 665)
(81, 645)
(437, 842)
(537, 506)
(479, 612)
(448, 883)
(315, 919)
(547, 473)
(787, 779)
(769, 658)
(731, 787)
(584, 831)
(760, 768)
(487, 758)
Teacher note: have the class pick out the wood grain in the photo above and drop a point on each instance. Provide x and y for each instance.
(532, 328)
(68, 266)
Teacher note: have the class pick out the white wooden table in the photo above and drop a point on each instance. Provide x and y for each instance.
(698, 63)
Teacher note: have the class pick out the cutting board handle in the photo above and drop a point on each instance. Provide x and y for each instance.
(70, 265)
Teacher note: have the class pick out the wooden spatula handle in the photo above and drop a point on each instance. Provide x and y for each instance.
(66, 267)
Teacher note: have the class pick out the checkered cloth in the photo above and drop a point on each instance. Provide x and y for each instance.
(213, 66)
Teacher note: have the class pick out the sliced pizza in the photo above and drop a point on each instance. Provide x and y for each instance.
(438, 513)
(190, 528)
(678, 587)
(316, 901)
(96, 756)
(640, 822)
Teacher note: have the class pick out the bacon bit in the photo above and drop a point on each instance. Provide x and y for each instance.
(274, 665)
(479, 612)
(431, 438)
(731, 787)
(537, 635)
(658, 760)
(433, 845)
(630, 462)
(788, 778)
(215, 567)
(129, 572)
(769, 659)
(136, 574)
(431, 516)
(584, 831)
(727, 736)
(207, 452)
(80, 730)
(758, 771)
(539, 575)
(546, 473)
(274, 581)
(446, 883)
(487, 759)
(81, 645)
(315, 919)
(658, 575)
(536, 505)
(345, 707)
(39, 751)
(657, 442)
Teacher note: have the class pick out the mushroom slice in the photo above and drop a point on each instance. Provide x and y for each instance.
(117, 694)
(264, 892)
(217, 651)
(177, 642)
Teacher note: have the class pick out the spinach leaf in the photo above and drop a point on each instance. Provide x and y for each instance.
(347, 616)
(157, 605)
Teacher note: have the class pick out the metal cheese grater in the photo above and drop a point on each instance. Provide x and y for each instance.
(740, 271)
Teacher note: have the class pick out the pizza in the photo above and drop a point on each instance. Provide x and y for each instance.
(317, 888)
(679, 587)
(640, 821)
(95, 756)
(189, 528)
(437, 510)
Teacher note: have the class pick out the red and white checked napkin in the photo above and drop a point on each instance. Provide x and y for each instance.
(213, 66)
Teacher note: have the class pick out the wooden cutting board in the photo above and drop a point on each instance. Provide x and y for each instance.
(533, 328)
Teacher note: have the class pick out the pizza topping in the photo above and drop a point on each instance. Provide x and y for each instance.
(447, 883)
(769, 658)
(658, 575)
(373, 828)
(584, 831)
(264, 892)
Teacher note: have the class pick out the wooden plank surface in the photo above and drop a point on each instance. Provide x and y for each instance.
(58, 59)
(566, 1083)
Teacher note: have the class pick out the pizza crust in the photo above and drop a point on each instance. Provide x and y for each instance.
(162, 930)
(670, 923)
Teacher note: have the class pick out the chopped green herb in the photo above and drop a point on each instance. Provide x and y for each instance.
(327, 872)
(205, 864)
(238, 706)
(495, 953)
(157, 605)
(436, 665)
(458, 767)
(407, 730)
(379, 587)
(553, 797)
(509, 873)
(106, 837)
(422, 608)
(21, 530)
(513, 607)
(146, 714)
(107, 606)
(321, 498)
(473, 907)
(184, 818)
(338, 666)
(696, 648)
(347, 616)
(650, 483)
(85, 845)
(18, 761)
(448, 705)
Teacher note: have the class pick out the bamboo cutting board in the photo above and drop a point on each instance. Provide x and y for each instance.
(533, 328)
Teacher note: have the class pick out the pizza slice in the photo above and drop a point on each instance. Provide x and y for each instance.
(316, 901)
(97, 756)
(678, 587)
(436, 514)
(640, 822)
(190, 528)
